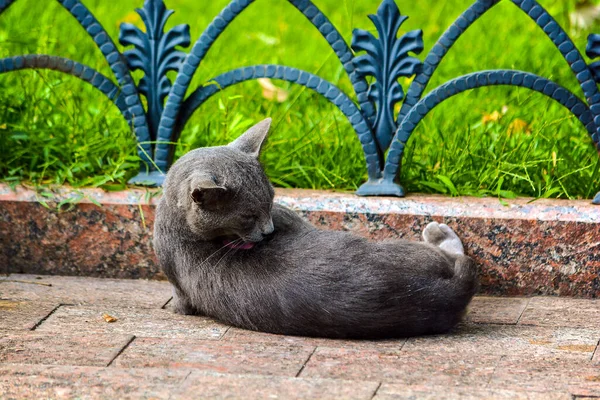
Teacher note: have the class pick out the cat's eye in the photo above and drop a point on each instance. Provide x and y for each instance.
(248, 217)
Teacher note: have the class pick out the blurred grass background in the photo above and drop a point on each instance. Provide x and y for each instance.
(504, 142)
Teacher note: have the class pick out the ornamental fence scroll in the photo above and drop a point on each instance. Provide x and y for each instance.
(384, 59)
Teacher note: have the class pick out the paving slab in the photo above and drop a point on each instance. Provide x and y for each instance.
(218, 386)
(44, 381)
(562, 311)
(81, 290)
(496, 310)
(526, 341)
(521, 373)
(232, 358)
(537, 348)
(401, 367)
(131, 321)
(246, 336)
(50, 381)
(391, 391)
(23, 315)
(41, 348)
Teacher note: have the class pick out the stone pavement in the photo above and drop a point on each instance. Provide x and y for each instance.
(55, 343)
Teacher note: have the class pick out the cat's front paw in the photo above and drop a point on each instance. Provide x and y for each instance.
(444, 237)
(182, 307)
(179, 303)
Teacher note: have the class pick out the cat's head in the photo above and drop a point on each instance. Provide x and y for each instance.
(223, 191)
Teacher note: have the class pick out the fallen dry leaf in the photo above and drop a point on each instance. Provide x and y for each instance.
(586, 13)
(493, 117)
(9, 304)
(131, 18)
(518, 126)
(109, 318)
(541, 342)
(578, 347)
(272, 92)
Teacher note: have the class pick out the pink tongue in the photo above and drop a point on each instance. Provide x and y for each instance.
(242, 246)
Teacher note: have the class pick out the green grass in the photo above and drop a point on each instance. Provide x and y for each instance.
(55, 129)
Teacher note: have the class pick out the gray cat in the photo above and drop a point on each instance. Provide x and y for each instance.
(233, 255)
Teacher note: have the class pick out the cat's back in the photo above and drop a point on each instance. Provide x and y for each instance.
(286, 220)
(168, 224)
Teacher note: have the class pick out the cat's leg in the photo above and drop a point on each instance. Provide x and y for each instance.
(180, 303)
(445, 238)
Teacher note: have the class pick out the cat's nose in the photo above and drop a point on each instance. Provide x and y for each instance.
(268, 228)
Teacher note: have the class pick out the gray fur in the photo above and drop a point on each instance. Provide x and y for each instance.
(297, 279)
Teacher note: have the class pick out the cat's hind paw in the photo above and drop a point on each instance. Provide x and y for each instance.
(444, 237)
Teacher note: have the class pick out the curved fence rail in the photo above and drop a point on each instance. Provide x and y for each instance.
(380, 60)
(293, 75)
(477, 80)
(73, 68)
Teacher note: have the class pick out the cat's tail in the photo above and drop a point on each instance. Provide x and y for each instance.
(454, 294)
(466, 277)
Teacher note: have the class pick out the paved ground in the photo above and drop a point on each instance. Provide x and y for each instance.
(55, 343)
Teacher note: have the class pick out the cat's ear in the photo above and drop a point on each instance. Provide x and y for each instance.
(206, 192)
(252, 140)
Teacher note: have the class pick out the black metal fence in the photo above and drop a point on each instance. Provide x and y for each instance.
(370, 109)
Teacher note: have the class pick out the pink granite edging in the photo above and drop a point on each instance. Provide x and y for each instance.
(528, 247)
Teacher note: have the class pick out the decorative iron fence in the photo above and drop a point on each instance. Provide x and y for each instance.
(384, 59)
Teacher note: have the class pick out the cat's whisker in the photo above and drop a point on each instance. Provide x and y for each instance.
(236, 241)
(228, 251)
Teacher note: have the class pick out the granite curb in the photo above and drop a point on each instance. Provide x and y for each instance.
(523, 247)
